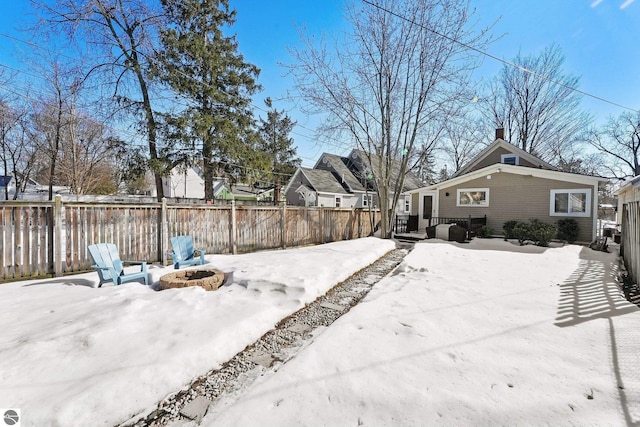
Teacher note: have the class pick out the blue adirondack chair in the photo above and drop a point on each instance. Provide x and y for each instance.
(184, 253)
(110, 268)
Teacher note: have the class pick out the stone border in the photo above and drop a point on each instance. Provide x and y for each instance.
(208, 279)
(271, 350)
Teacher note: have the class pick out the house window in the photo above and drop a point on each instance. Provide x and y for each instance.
(510, 159)
(367, 200)
(570, 202)
(476, 197)
(338, 201)
(407, 204)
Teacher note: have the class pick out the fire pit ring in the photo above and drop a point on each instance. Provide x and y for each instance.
(209, 280)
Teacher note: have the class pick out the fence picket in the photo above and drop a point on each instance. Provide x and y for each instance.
(51, 238)
(630, 244)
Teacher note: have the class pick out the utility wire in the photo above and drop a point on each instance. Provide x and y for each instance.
(505, 62)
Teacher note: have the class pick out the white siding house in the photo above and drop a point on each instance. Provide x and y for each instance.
(184, 183)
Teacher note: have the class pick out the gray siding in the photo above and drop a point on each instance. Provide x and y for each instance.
(293, 198)
(514, 197)
(496, 157)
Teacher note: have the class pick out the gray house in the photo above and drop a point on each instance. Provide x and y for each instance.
(337, 181)
(317, 187)
(505, 183)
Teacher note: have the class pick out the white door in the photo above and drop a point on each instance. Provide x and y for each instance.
(428, 208)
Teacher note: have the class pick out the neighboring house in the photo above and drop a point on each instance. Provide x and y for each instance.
(629, 191)
(317, 187)
(32, 190)
(246, 192)
(189, 184)
(337, 181)
(506, 183)
(184, 183)
(221, 191)
(7, 185)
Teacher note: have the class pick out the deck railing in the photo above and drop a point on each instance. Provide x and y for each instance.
(406, 223)
(409, 223)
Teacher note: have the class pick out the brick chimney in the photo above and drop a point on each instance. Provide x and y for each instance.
(499, 133)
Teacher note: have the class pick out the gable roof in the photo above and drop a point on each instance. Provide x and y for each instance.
(219, 186)
(323, 181)
(501, 143)
(411, 180)
(517, 170)
(345, 170)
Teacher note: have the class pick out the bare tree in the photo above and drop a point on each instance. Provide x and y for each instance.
(463, 138)
(536, 105)
(121, 34)
(390, 82)
(619, 140)
(86, 161)
(16, 153)
(51, 115)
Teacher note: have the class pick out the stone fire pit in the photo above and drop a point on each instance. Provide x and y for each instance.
(210, 280)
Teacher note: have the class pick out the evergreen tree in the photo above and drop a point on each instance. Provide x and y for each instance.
(203, 66)
(278, 147)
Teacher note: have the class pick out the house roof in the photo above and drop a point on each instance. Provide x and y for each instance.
(411, 180)
(219, 186)
(341, 166)
(323, 181)
(517, 170)
(304, 189)
(501, 143)
(247, 190)
(629, 183)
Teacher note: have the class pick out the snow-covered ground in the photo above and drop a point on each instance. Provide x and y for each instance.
(476, 334)
(75, 355)
(485, 333)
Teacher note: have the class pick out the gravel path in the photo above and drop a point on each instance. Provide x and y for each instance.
(272, 349)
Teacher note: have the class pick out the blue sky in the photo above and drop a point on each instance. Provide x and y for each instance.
(600, 40)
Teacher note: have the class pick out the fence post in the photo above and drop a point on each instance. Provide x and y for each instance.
(321, 221)
(283, 225)
(164, 232)
(233, 247)
(57, 235)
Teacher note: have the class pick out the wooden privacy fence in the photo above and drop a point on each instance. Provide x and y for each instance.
(630, 242)
(51, 238)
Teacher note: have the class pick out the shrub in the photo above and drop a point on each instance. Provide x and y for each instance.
(535, 231)
(522, 232)
(508, 227)
(567, 230)
(541, 232)
(484, 232)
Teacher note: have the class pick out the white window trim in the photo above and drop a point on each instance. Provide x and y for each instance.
(552, 203)
(338, 201)
(474, 190)
(366, 198)
(504, 156)
(407, 204)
